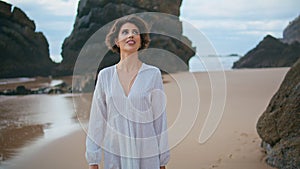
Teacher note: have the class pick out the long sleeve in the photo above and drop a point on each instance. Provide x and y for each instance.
(97, 125)
(160, 123)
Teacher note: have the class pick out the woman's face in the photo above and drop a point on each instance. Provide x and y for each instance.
(129, 39)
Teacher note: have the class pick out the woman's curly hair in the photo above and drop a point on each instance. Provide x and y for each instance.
(115, 29)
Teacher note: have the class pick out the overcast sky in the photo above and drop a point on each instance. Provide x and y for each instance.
(232, 26)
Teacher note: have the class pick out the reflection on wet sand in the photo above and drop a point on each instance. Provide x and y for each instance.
(15, 138)
(26, 120)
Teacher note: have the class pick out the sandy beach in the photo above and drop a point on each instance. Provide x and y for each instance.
(235, 143)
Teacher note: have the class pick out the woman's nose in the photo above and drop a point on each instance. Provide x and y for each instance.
(130, 35)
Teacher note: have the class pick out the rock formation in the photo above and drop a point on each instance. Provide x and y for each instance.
(273, 52)
(292, 32)
(270, 52)
(279, 125)
(94, 14)
(24, 52)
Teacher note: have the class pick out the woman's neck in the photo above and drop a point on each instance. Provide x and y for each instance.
(129, 62)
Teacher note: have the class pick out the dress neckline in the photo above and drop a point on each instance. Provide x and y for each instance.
(134, 81)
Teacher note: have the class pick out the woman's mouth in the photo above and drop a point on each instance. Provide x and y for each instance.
(130, 42)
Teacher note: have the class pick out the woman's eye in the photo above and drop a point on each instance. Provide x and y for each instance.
(124, 32)
(135, 32)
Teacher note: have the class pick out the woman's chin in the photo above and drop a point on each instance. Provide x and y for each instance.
(131, 50)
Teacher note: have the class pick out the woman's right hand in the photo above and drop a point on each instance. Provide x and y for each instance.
(93, 167)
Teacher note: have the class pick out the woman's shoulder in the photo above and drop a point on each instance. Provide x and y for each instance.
(106, 71)
(147, 67)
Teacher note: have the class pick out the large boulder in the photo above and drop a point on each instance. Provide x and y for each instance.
(94, 14)
(24, 52)
(279, 125)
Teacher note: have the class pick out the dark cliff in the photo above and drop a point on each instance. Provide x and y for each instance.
(270, 52)
(24, 52)
(94, 14)
(273, 52)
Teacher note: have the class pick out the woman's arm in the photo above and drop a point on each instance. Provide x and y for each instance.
(158, 98)
(97, 126)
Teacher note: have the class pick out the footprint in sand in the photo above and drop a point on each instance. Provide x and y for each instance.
(244, 134)
(244, 137)
(214, 166)
(219, 161)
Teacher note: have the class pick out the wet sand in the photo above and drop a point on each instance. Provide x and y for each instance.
(25, 120)
(234, 144)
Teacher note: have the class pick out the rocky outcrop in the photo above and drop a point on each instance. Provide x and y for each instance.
(270, 52)
(291, 33)
(94, 14)
(273, 52)
(24, 52)
(279, 125)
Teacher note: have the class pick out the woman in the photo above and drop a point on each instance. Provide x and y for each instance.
(128, 119)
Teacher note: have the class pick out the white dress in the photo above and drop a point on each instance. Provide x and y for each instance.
(130, 130)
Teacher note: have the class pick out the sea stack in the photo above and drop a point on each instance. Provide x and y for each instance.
(94, 14)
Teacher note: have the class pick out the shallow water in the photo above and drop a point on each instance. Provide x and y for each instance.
(26, 120)
(212, 63)
(16, 80)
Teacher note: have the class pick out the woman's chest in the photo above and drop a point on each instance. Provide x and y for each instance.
(134, 107)
(140, 90)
